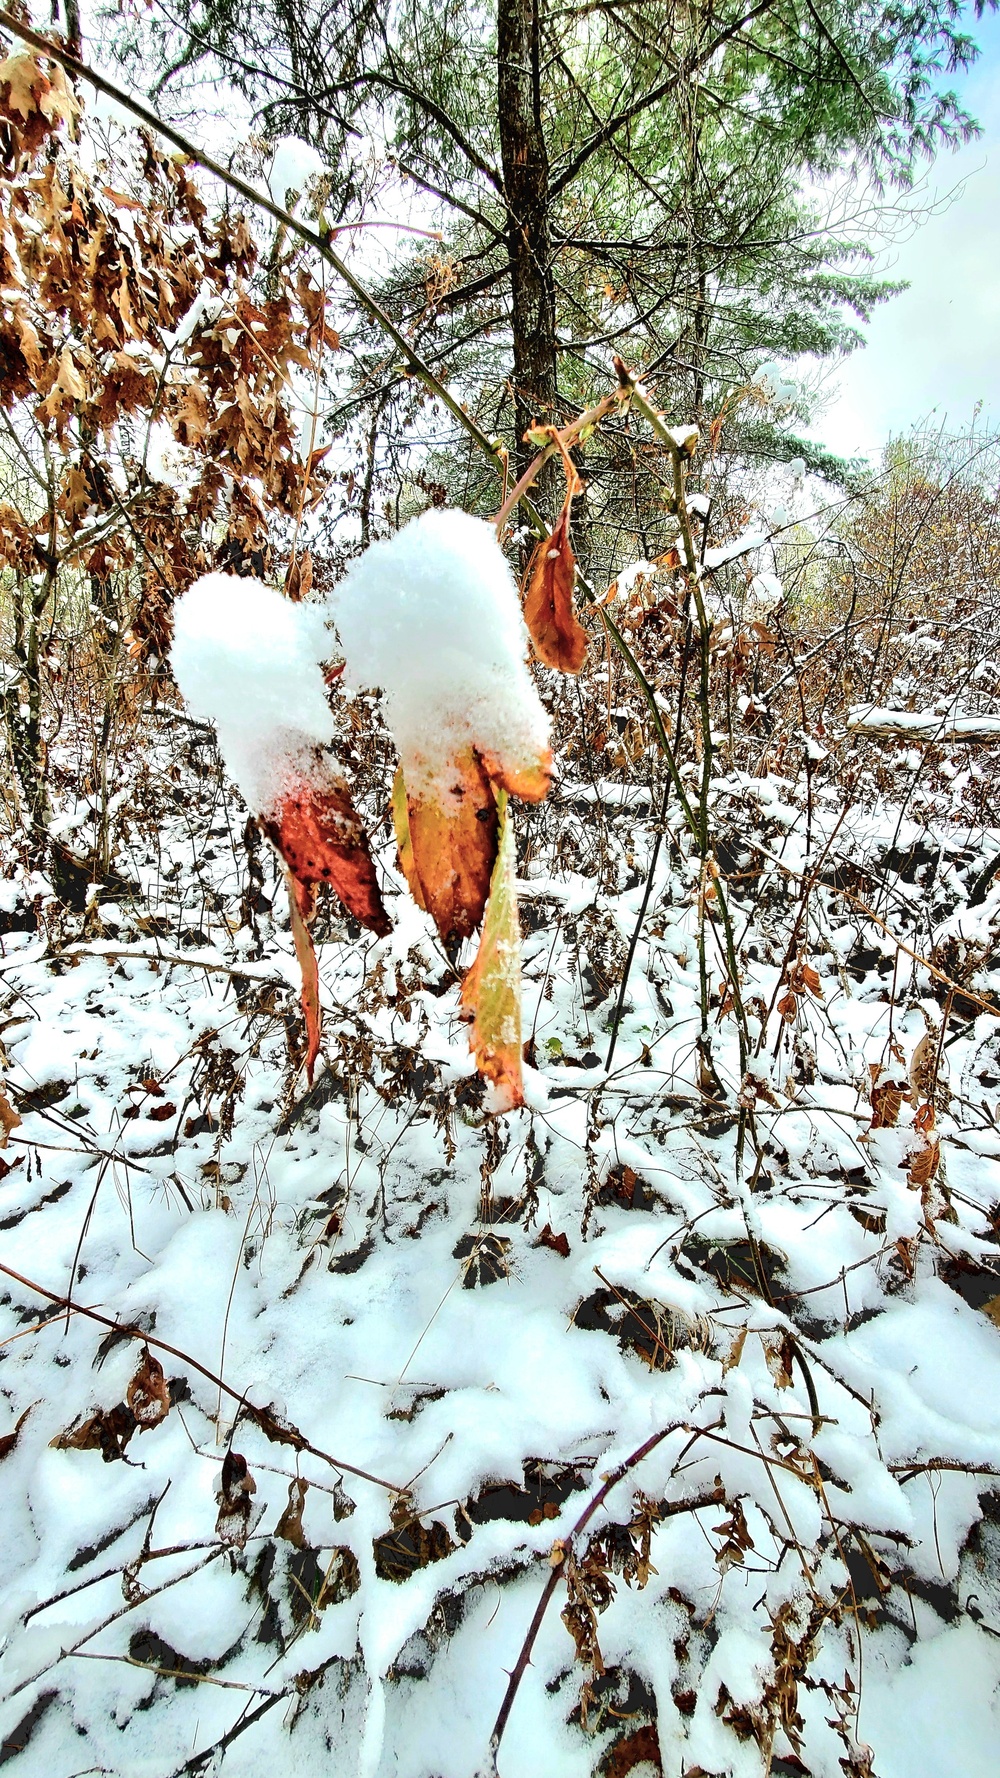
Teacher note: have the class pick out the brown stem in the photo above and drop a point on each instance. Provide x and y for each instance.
(610, 1481)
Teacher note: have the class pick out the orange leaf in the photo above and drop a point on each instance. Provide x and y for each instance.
(491, 992)
(447, 845)
(530, 782)
(317, 831)
(556, 633)
(810, 980)
(301, 905)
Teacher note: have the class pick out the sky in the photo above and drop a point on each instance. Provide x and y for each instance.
(934, 351)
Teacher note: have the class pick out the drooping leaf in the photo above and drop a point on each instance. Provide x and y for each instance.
(317, 831)
(236, 1486)
(301, 906)
(448, 844)
(289, 1525)
(319, 835)
(401, 823)
(557, 635)
(9, 1439)
(9, 1119)
(491, 992)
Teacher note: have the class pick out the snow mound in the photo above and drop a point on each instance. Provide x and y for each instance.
(247, 659)
(432, 616)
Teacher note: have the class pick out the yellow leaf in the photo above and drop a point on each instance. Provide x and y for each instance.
(451, 837)
(401, 822)
(491, 992)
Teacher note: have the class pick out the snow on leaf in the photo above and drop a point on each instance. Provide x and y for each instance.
(148, 1396)
(249, 660)
(236, 1485)
(31, 90)
(447, 837)
(432, 616)
(491, 992)
(557, 635)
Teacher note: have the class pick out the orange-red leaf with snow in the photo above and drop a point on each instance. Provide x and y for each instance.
(319, 835)
(491, 992)
(557, 635)
(447, 837)
(317, 831)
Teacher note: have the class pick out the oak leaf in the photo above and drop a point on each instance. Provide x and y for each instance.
(32, 92)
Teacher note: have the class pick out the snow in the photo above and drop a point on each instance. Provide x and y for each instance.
(928, 725)
(432, 616)
(293, 164)
(771, 380)
(247, 660)
(766, 592)
(722, 553)
(307, 1249)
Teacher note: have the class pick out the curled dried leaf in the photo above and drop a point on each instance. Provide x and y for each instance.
(148, 1396)
(289, 1525)
(9, 1119)
(236, 1487)
(557, 635)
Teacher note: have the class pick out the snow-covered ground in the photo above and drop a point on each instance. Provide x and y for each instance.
(428, 1338)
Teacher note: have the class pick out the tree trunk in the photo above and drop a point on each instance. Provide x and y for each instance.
(525, 163)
